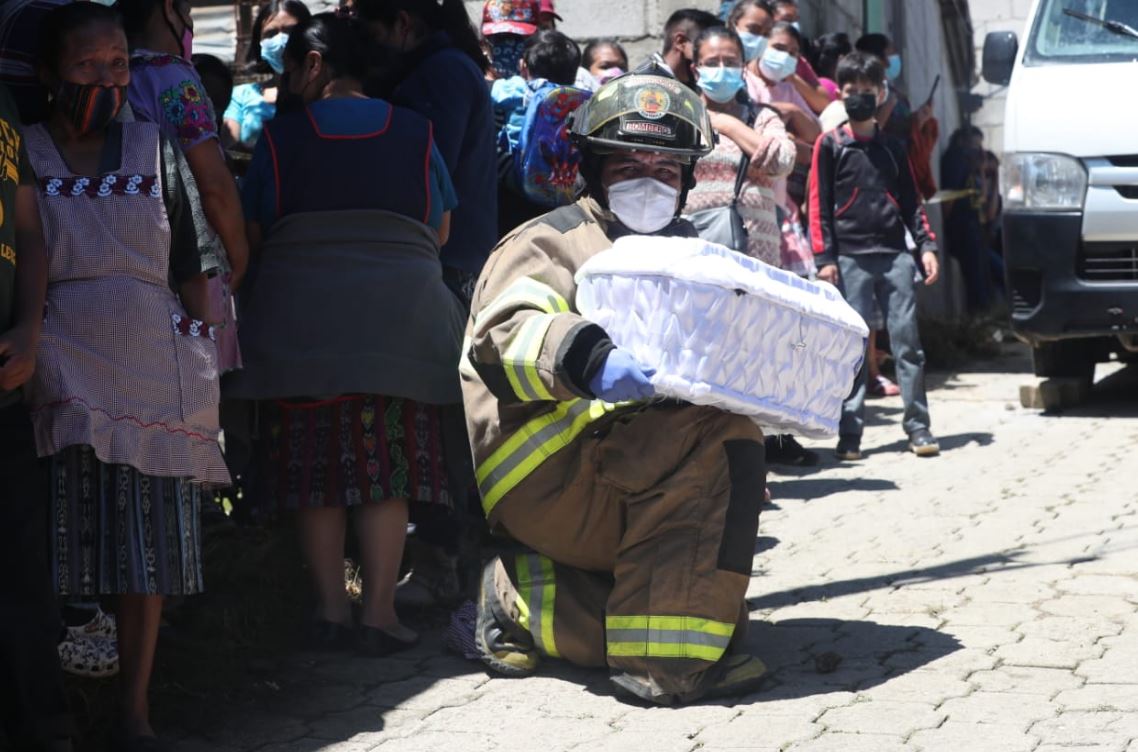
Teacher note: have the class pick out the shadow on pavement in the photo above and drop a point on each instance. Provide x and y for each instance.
(1116, 396)
(818, 656)
(304, 702)
(947, 443)
(231, 675)
(765, 543)
(807, 657)
(878, 413)
(808, 489)
(1003, 561)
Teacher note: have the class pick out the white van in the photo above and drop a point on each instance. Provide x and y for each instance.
(1070, 181)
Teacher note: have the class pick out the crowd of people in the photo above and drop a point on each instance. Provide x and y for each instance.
(291, 263)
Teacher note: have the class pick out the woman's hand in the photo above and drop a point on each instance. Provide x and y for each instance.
(829, 273)
(17, 357)
(221, 203)
(932, 267)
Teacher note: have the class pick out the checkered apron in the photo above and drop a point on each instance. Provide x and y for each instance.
(121, 367)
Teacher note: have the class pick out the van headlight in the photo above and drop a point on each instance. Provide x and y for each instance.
(1048, 182)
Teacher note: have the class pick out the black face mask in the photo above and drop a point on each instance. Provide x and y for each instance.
(861, 107)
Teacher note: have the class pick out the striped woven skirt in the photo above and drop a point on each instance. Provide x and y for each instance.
(116, 531)
(353, 450)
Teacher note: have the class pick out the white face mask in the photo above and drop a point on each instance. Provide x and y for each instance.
(643, 205)
(777, 65)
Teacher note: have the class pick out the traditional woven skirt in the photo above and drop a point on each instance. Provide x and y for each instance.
(116, 531)
(353, 450)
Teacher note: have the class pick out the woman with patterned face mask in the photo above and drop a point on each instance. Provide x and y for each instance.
(744, 129)
(125, 395)
(255, 103)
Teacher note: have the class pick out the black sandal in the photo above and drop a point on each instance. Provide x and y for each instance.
(372, 642)
(328, 636)
(120, 742)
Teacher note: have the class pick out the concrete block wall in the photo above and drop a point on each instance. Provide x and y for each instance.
(831, 16)
(989, 16)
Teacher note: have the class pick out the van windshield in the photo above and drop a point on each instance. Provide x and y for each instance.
(1059, 38)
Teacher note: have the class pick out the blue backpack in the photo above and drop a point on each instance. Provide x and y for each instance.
(547, 162)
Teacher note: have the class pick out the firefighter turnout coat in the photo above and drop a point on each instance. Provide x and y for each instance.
(641, 518)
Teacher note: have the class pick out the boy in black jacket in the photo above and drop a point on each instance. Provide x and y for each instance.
(863, 203)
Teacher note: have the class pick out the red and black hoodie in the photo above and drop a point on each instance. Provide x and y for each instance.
(863, 197)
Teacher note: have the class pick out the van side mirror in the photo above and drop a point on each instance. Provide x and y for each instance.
(1000, 50)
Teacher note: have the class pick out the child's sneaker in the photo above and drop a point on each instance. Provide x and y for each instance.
(923, 443)
(883, 387)
(101, 626)
(91, 658)
(849, 448)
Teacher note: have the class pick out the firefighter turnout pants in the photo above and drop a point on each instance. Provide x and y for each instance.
(643, 535)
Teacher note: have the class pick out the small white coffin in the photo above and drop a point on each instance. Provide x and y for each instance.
(726, 330)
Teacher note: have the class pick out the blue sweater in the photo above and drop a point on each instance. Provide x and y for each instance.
(446, 86)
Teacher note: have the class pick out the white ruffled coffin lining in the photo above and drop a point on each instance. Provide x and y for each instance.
(728, 331)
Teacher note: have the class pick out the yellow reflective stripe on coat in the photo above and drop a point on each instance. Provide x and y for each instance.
(532, 444)
(465, 367)
(667, 637)
(537, 589)
(527, 293)
(520, 359)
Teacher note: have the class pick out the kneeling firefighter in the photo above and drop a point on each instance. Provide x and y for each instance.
(639, 517)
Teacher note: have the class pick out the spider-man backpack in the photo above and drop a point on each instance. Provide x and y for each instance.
(546, 160)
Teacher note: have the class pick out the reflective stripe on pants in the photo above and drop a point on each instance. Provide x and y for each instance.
(537, 596)
(667, 637)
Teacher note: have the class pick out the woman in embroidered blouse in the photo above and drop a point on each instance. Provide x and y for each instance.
(743, 128)
(165, 89)
(256, 102)
(124, 398)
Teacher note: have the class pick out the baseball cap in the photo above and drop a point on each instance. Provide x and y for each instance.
(509, 17)
(547, 7)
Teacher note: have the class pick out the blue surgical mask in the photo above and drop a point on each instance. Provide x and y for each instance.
(272, 51)
(797, 26)
(893, 70)
(720, 83)
(778, 65)
(753, 45)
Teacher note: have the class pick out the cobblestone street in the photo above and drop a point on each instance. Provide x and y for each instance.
(985, 600)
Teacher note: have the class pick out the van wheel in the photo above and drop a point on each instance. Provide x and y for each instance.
(1065, 359)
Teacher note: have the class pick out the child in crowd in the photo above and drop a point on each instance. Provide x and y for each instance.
(863, 198)
(604, 59)
(506, 25)
(549, 59)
